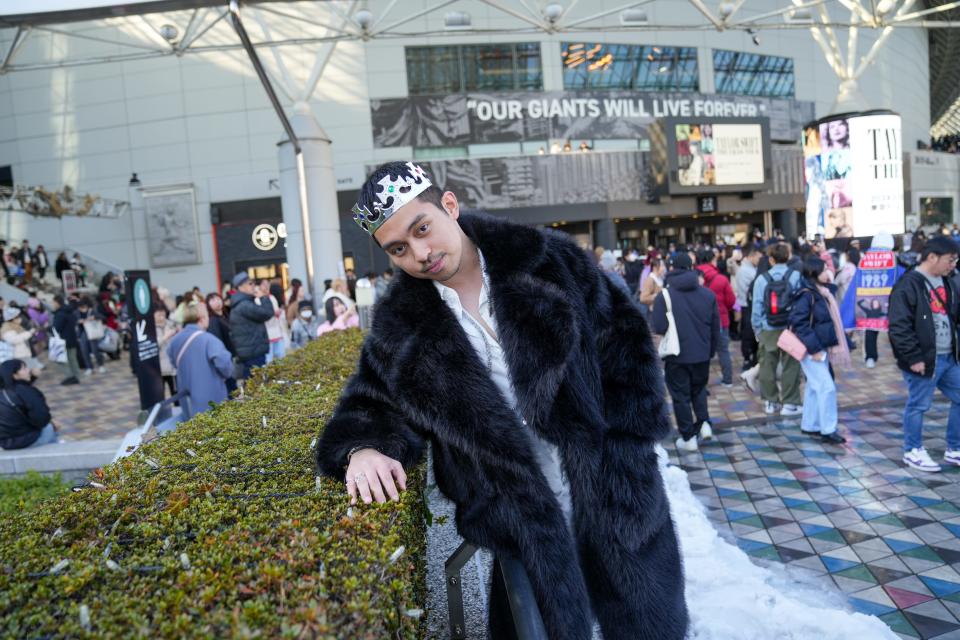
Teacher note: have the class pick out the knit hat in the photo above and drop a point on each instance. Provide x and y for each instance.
(10, 313)
(239, 279)
(680, 261)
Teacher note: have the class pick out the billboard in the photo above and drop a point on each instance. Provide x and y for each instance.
(853, 169)
(716, 155)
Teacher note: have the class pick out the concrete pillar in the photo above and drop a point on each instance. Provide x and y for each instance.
(605, 234)
(321, 195)
(786, 221)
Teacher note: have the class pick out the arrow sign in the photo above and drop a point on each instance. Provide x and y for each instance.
(142, 331)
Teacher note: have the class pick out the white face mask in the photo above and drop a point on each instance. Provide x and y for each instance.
(307, 314)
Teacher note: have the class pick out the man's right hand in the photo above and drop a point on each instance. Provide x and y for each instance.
(371, 475)
(919, 368)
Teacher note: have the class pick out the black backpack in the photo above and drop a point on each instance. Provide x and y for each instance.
(777, 300)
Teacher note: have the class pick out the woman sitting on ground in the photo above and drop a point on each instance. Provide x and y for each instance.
(24, 415)
(14, 335)
(338, 316)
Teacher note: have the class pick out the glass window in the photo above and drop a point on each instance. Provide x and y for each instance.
(592, 65)
(752, 74)
(488, 67)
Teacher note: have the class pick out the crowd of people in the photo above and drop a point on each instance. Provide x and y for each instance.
(207, 343)
(782, 301)
(948, 144)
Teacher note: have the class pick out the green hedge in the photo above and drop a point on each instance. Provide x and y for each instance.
(17, 494)
(222, 529)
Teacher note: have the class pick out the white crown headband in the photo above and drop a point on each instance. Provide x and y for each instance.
(391, 193)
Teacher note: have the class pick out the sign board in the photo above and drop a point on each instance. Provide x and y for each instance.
(707, 204)
(868, 299)
(853, 169)
(69, 277)
(146, 350)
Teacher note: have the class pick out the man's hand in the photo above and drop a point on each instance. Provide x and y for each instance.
(918, 368)
(371, 475)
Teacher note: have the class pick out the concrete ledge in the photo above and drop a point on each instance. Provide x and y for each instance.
(63, 456)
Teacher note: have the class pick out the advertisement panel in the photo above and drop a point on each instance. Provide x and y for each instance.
(720, 155)
(853, 169)
(868, 299)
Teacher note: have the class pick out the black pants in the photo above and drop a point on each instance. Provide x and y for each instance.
(171, 383)
(687, 384)
(870, 344)
(748, 340)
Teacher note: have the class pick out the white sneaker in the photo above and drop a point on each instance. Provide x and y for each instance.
(952, 456)
(706, 433)
(102, 370)
(919, 459)
(88, 372)
(770, 407)
(871, 363)
(688, 446)
(749, 378)
(791, 410)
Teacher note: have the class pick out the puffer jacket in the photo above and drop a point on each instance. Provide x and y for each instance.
(912, 334)
(23, 415)
(810, 319)
(247, 330)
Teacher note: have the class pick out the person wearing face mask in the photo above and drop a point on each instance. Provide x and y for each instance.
(202, 363)
(305, 326)
(815, 320)
(339, 317)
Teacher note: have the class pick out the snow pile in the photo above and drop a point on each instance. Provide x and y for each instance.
(730, 598)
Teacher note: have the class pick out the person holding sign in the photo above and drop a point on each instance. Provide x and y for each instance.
(923, 334)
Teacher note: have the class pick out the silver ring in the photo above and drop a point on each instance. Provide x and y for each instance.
(360, 476)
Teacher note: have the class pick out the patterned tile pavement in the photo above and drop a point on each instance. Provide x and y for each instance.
(103, 405)
(888, 537)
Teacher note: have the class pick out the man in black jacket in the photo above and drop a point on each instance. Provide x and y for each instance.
(536, 382)
(923, 333)
(65, 320)
(695, 311)
(248, 312)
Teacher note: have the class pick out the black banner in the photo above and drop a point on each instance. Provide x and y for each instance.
(475, 118)
(146, 351)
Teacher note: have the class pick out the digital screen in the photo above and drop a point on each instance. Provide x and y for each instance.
(853, 169)
(719, 154)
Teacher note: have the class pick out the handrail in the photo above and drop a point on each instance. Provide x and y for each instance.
(527, 621)
(183, 394)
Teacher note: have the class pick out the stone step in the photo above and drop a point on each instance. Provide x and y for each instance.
(77, 455)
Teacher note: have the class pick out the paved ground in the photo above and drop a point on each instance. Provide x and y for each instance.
(103, 405)
(888, 537)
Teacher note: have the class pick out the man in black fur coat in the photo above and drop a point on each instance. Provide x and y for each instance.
(537, 384)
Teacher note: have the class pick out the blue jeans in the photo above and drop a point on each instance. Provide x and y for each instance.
(723, 354)
(946, 377)
(47, 436)
(278, 349)
(819, 398)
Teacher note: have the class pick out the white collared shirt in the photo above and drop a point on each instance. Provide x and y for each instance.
(492, 356)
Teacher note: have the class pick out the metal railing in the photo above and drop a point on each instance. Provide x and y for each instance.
(524, 612)
(161, 410)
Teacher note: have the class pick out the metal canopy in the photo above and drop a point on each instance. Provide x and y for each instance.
(155, 29)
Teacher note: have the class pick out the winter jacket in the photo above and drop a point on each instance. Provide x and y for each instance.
(743, 281)
(65, 321)
(720, 285)
(777, 272)
(205, 364)
(302, 332)
(631, 274)
(247, 328)
(165, 333)
(22, 421)
(219, 327)
(912, 334)
(18, 338)
(695, 312)
(587, 379)
(810, 319)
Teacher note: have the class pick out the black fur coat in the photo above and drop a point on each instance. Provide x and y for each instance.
(586, 377)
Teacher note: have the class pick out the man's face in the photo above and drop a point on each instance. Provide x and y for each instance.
(942, 265)
(248, 287)
(424, 240)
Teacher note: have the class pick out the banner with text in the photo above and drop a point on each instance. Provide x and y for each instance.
(475, 118)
